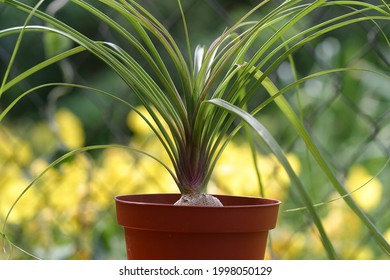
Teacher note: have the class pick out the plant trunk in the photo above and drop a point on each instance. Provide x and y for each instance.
(198, 199)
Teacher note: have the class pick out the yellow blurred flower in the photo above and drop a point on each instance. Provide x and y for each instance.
(235, 173)
(14, 148)
(138, 125)
(12, 185)
(69, 128)
(38, 166)
(42, 139)
(341, 223)
(359, 253)
(116, 173)
(288, 243)
(68, 195)
(156, 177)
(387, 235)
(128, 172)
(72, 184)
(274, 177)
(345, 230)
(370, 193)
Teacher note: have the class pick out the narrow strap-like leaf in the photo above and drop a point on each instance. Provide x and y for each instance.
(278, 152)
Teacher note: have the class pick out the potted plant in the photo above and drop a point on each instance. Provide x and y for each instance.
(194, 109)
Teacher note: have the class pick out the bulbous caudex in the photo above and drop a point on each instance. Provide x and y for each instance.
(198, 199)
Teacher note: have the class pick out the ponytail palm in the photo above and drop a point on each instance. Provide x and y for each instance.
(196, 96)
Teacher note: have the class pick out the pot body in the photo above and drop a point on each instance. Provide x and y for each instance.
(157, 229)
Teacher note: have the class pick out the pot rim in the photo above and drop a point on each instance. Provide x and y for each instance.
(150, 199)
(156, 212)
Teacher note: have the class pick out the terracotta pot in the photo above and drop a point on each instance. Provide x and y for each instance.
(157, 229)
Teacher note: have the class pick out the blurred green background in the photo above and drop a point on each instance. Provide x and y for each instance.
(69, 213)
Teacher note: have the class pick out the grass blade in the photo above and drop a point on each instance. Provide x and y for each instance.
(275, 148)
(289, 113)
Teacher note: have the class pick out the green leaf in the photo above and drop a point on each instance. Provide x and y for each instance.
(297, 124)
(17, 45)
(278, 152)
(55, 44)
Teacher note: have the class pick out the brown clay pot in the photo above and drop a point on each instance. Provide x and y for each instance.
(157, 229)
